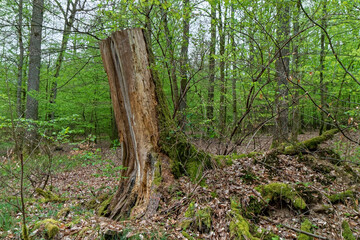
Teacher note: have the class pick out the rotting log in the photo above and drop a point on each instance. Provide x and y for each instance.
(153, 149)
(310, 144)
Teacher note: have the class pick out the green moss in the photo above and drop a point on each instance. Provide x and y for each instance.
(157, 173)
(103, 210)
(95, 202)
(199, 220)
(190, 212)
(203, 219)
(347, 233)
(63, 212)
(249, 176)
(51, 227)
(25, 232)
(187, 236)
(253, 208)
(310, 144)
(341, 197)
(49, 196)
(307, 227)
(239, 227)
(278, 191)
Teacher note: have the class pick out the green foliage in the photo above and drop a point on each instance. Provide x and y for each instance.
(347, 233)
(7, 215)
(197, 219)
(307, 227)
(239, 227)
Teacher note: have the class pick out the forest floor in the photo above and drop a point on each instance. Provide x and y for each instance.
(228, 203)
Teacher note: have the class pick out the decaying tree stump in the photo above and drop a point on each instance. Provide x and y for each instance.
(148, 134)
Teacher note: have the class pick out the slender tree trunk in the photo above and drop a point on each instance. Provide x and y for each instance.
(19, 107)
(170, 46)
(69, 22)
(323, 87)
(146, 130)
(296, 77)
(222, 26)
(34, 65)
(234, 68)
(282, 70)
(210, 106)
(184, 62)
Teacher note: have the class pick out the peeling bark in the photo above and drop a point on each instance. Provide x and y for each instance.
(133, 97)
(151, 143)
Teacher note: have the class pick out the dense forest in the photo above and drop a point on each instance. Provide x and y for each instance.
(267, 93)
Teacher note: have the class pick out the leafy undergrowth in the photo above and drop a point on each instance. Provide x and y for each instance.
(262, 197)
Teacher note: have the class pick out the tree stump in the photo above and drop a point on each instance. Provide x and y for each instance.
(145, 128)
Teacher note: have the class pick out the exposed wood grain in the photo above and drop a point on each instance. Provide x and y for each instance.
(132, 89)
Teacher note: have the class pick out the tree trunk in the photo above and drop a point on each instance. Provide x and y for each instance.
(146, 130)
(210, 106)
(34, 65)
(323, 88)
(171, 49)
(295, 110)
(184, 63)
(234, 67)
(19, 90)
(222, 110)
(65, 38)
(282, 70)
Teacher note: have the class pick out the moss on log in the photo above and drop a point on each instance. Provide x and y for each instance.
(310, 144)
(277, 191)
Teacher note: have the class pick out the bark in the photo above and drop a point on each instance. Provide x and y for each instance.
(170, 46)
(19, 90)
(222, 111)
(34, 65)
(323, 88)
(282, 70)
(210, 106)
(234, 69)
(146, 130)
(296, 111)
(69, 22)
(184, 63)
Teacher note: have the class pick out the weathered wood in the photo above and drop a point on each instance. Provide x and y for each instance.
(154, 150)
(133, 96)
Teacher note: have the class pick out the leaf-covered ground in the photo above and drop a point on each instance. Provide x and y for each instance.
(223, 193)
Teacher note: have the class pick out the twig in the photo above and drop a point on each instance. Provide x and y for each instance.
(294, 229)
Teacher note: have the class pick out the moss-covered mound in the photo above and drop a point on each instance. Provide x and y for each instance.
(341, 197)
(49, 196)
(239, 227)
(49, 227)
(310, 144)
(274, 192)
